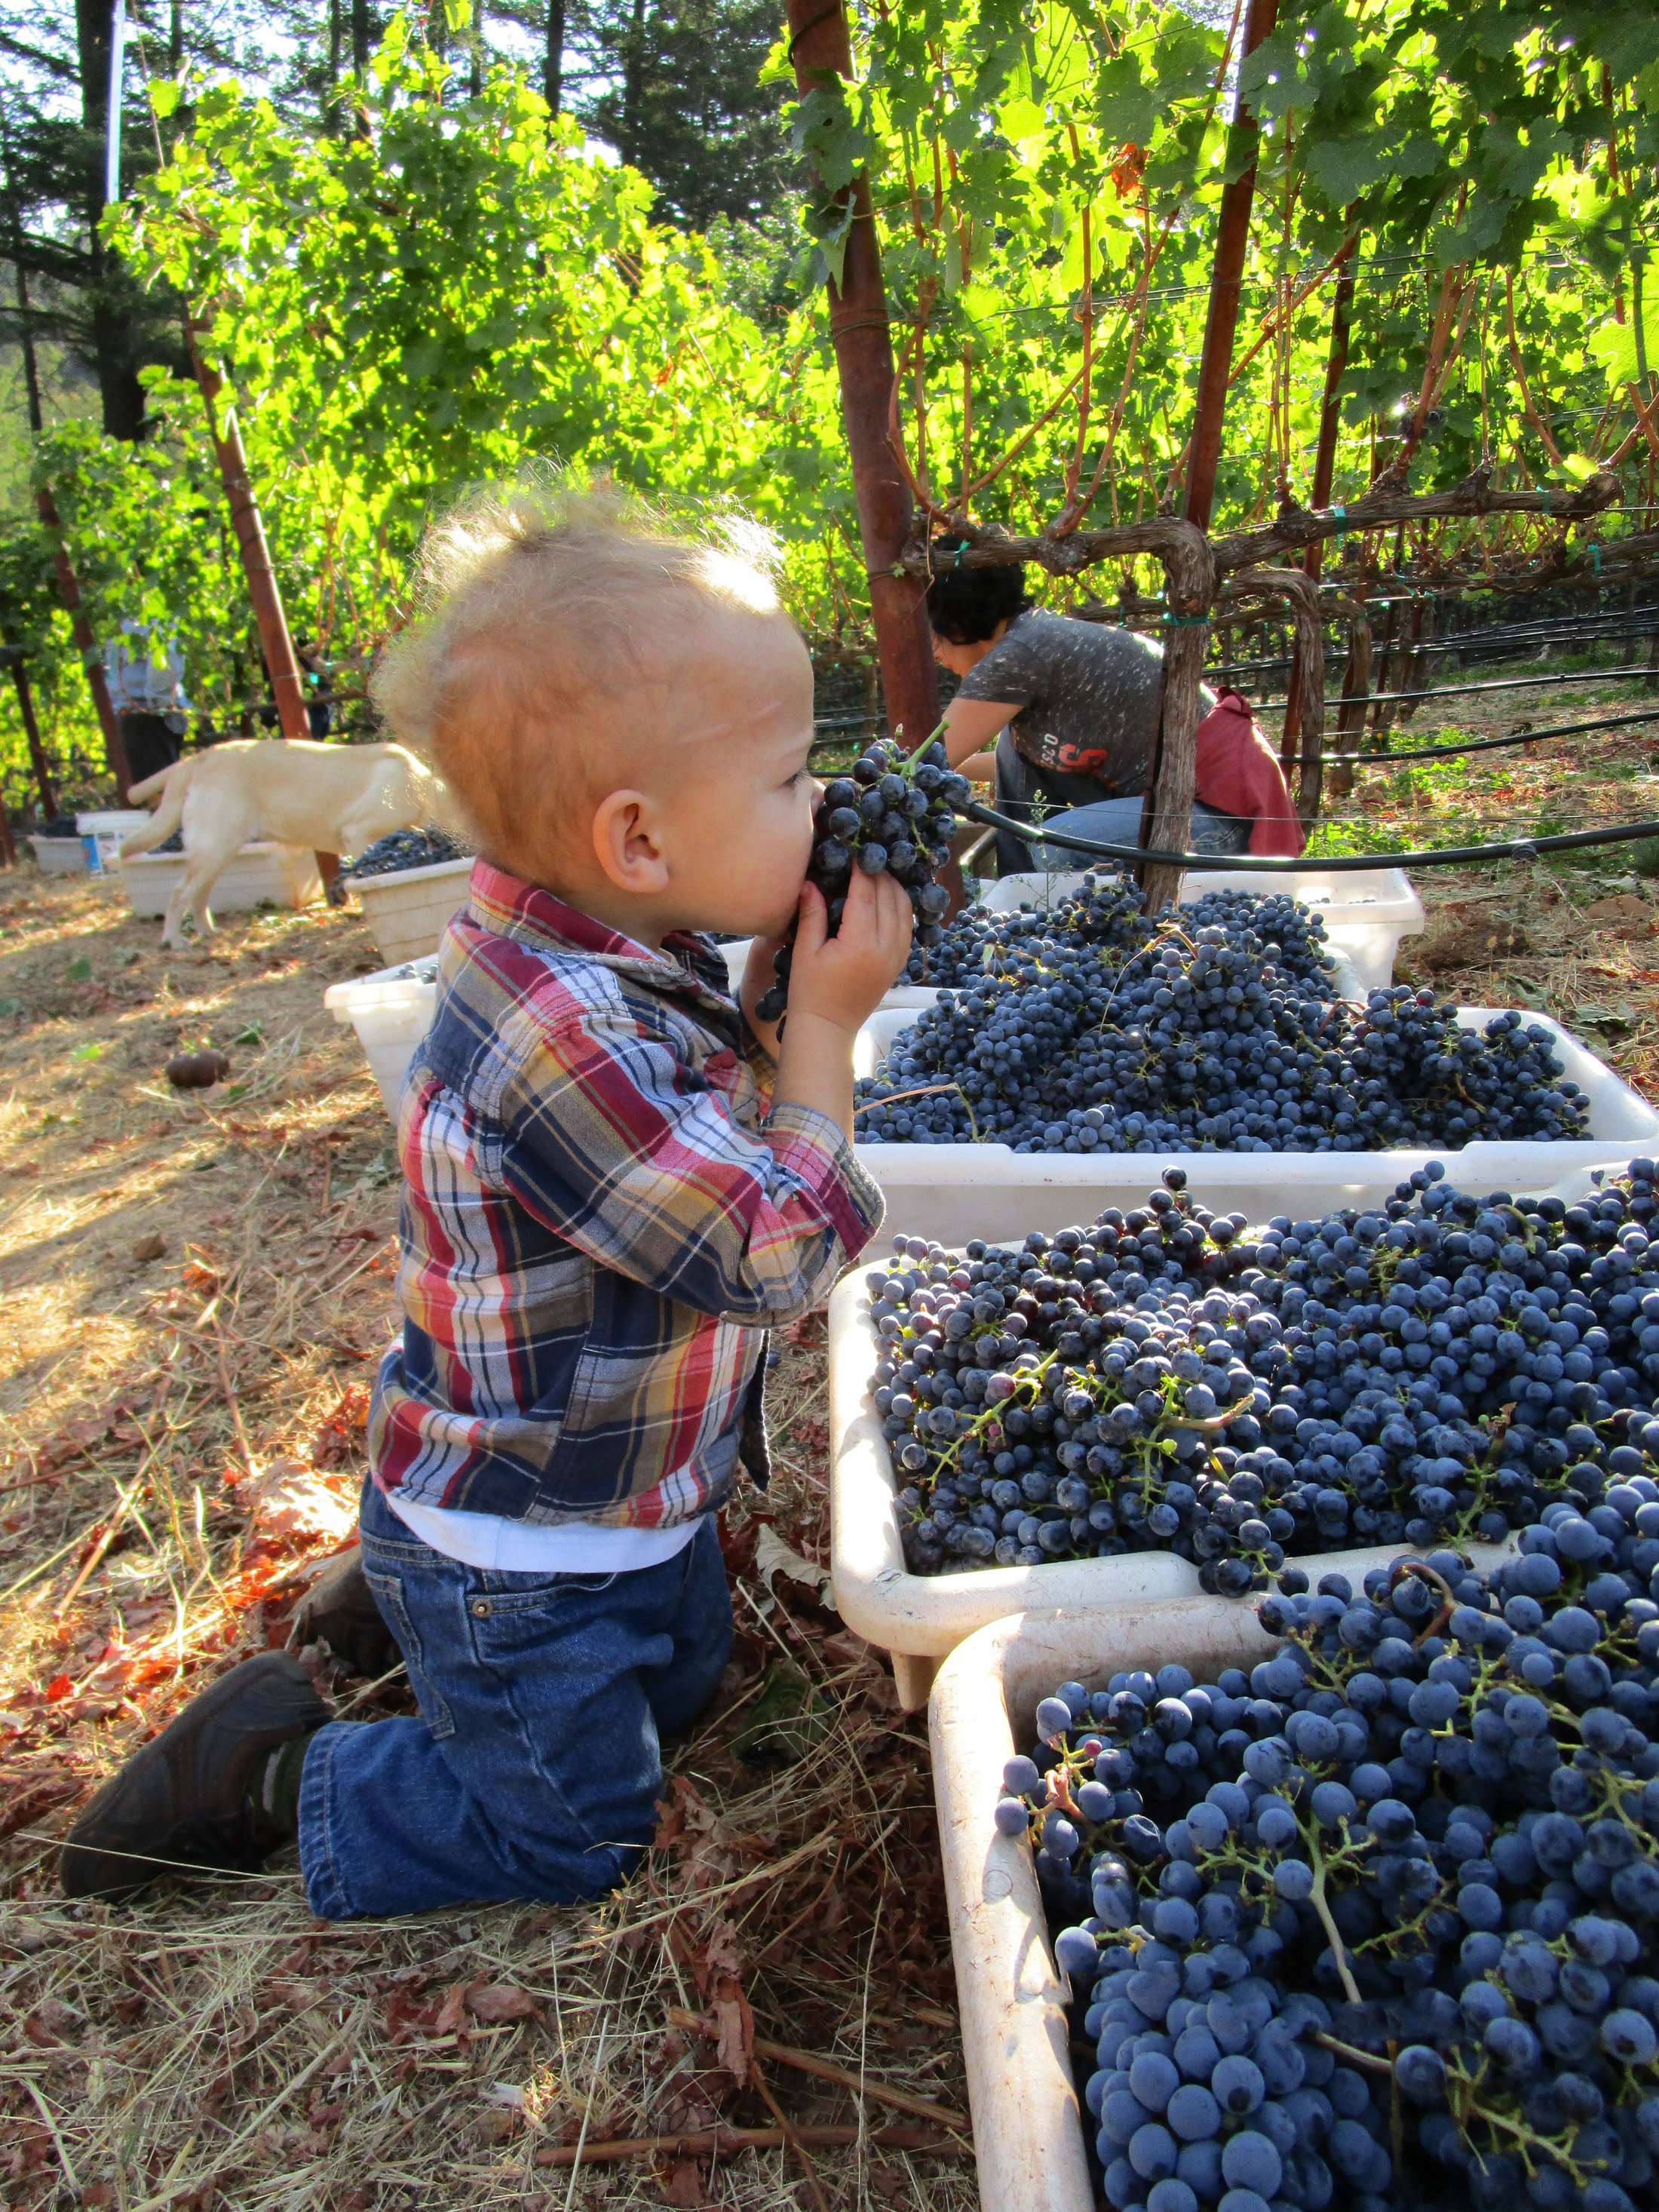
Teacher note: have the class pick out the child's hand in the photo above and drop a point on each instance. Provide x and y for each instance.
(842, 979)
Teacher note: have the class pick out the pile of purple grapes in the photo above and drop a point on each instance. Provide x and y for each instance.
(404, 849)
(1214, 1028)
(1439, 1367)
(1375, 1923)
(890, 814)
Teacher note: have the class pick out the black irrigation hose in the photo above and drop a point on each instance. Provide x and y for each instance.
(1432, 856)
(1336, 655)
(1494, 684)
(1490, 744)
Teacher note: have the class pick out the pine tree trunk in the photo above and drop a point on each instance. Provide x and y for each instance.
(553, 56)
(633, 81)
(121, 394)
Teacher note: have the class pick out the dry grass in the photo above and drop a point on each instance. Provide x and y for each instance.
(213, 2045)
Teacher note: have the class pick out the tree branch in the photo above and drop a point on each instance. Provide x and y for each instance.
(1291, 530)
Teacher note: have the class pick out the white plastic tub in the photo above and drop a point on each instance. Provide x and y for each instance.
(951, 1192)
(103, 834)
(262, 874)
(59, 856)
(1366, 912)
(921, 1618)
(406, 912)
(1028, 2139)
(390, 1011)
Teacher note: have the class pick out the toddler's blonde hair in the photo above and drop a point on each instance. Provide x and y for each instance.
(538, 608)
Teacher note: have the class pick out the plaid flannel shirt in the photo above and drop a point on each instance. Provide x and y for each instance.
(601, 1218)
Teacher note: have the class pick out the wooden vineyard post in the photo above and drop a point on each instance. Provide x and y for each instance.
(250, 529)
(68, 590)
(38, 761)
(1356, 692)
(820, 48)
(261, 587)
(1330, 423)
(1189, 567)
(1300, 596)
(1167, 823)
(1221, 322)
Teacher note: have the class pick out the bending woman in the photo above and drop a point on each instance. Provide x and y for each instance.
(1072, 709)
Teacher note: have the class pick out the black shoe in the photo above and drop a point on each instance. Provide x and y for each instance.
(188, 1798)
(339, 1607)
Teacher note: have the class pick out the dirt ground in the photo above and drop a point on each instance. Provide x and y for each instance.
(194, 1286)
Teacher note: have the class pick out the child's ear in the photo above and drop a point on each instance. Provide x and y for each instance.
(626, 845)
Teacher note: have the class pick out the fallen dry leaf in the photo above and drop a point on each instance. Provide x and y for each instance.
(773, 1557)
(1624, 911)
(489, 2003)
(289, 1498)
(296, 1995)
(731, 2016)
(683, 2183)
(493, 2002)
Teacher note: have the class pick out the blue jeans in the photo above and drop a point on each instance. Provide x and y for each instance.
(535, 1767)
(1117, 822)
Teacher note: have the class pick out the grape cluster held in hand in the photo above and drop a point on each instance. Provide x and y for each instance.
(890, 814)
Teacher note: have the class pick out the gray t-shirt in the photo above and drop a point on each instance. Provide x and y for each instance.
(1088, 698)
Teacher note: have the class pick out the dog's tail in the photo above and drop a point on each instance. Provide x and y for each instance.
(170, 785)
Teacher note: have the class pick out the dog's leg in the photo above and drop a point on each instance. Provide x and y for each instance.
(216, 825)
(201, 912)
(172, 927)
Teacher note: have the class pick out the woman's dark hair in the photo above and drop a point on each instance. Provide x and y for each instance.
(964, 606)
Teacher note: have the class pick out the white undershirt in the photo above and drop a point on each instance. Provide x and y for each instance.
(520, 1547)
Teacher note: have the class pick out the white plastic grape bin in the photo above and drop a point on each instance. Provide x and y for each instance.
(1366, 912)
(261, 874)
(390, 1011)
(59, 856)
(952, 1192)
(918, 1619)
(406, 911)
(1029, 2140)
(102, 835)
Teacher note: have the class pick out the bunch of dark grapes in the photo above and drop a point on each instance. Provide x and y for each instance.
(891, 814)
(1105, 910)
(405, 848)
(1441, 1367)
(1109, 911)
(1376, 1922)
(1216, 1030)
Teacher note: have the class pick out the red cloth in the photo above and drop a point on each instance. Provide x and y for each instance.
(1239, 772)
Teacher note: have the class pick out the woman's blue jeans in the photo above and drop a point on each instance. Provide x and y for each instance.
(1111, 821)
(535, 1767)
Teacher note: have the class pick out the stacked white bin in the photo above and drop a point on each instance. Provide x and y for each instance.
(390, 1011)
